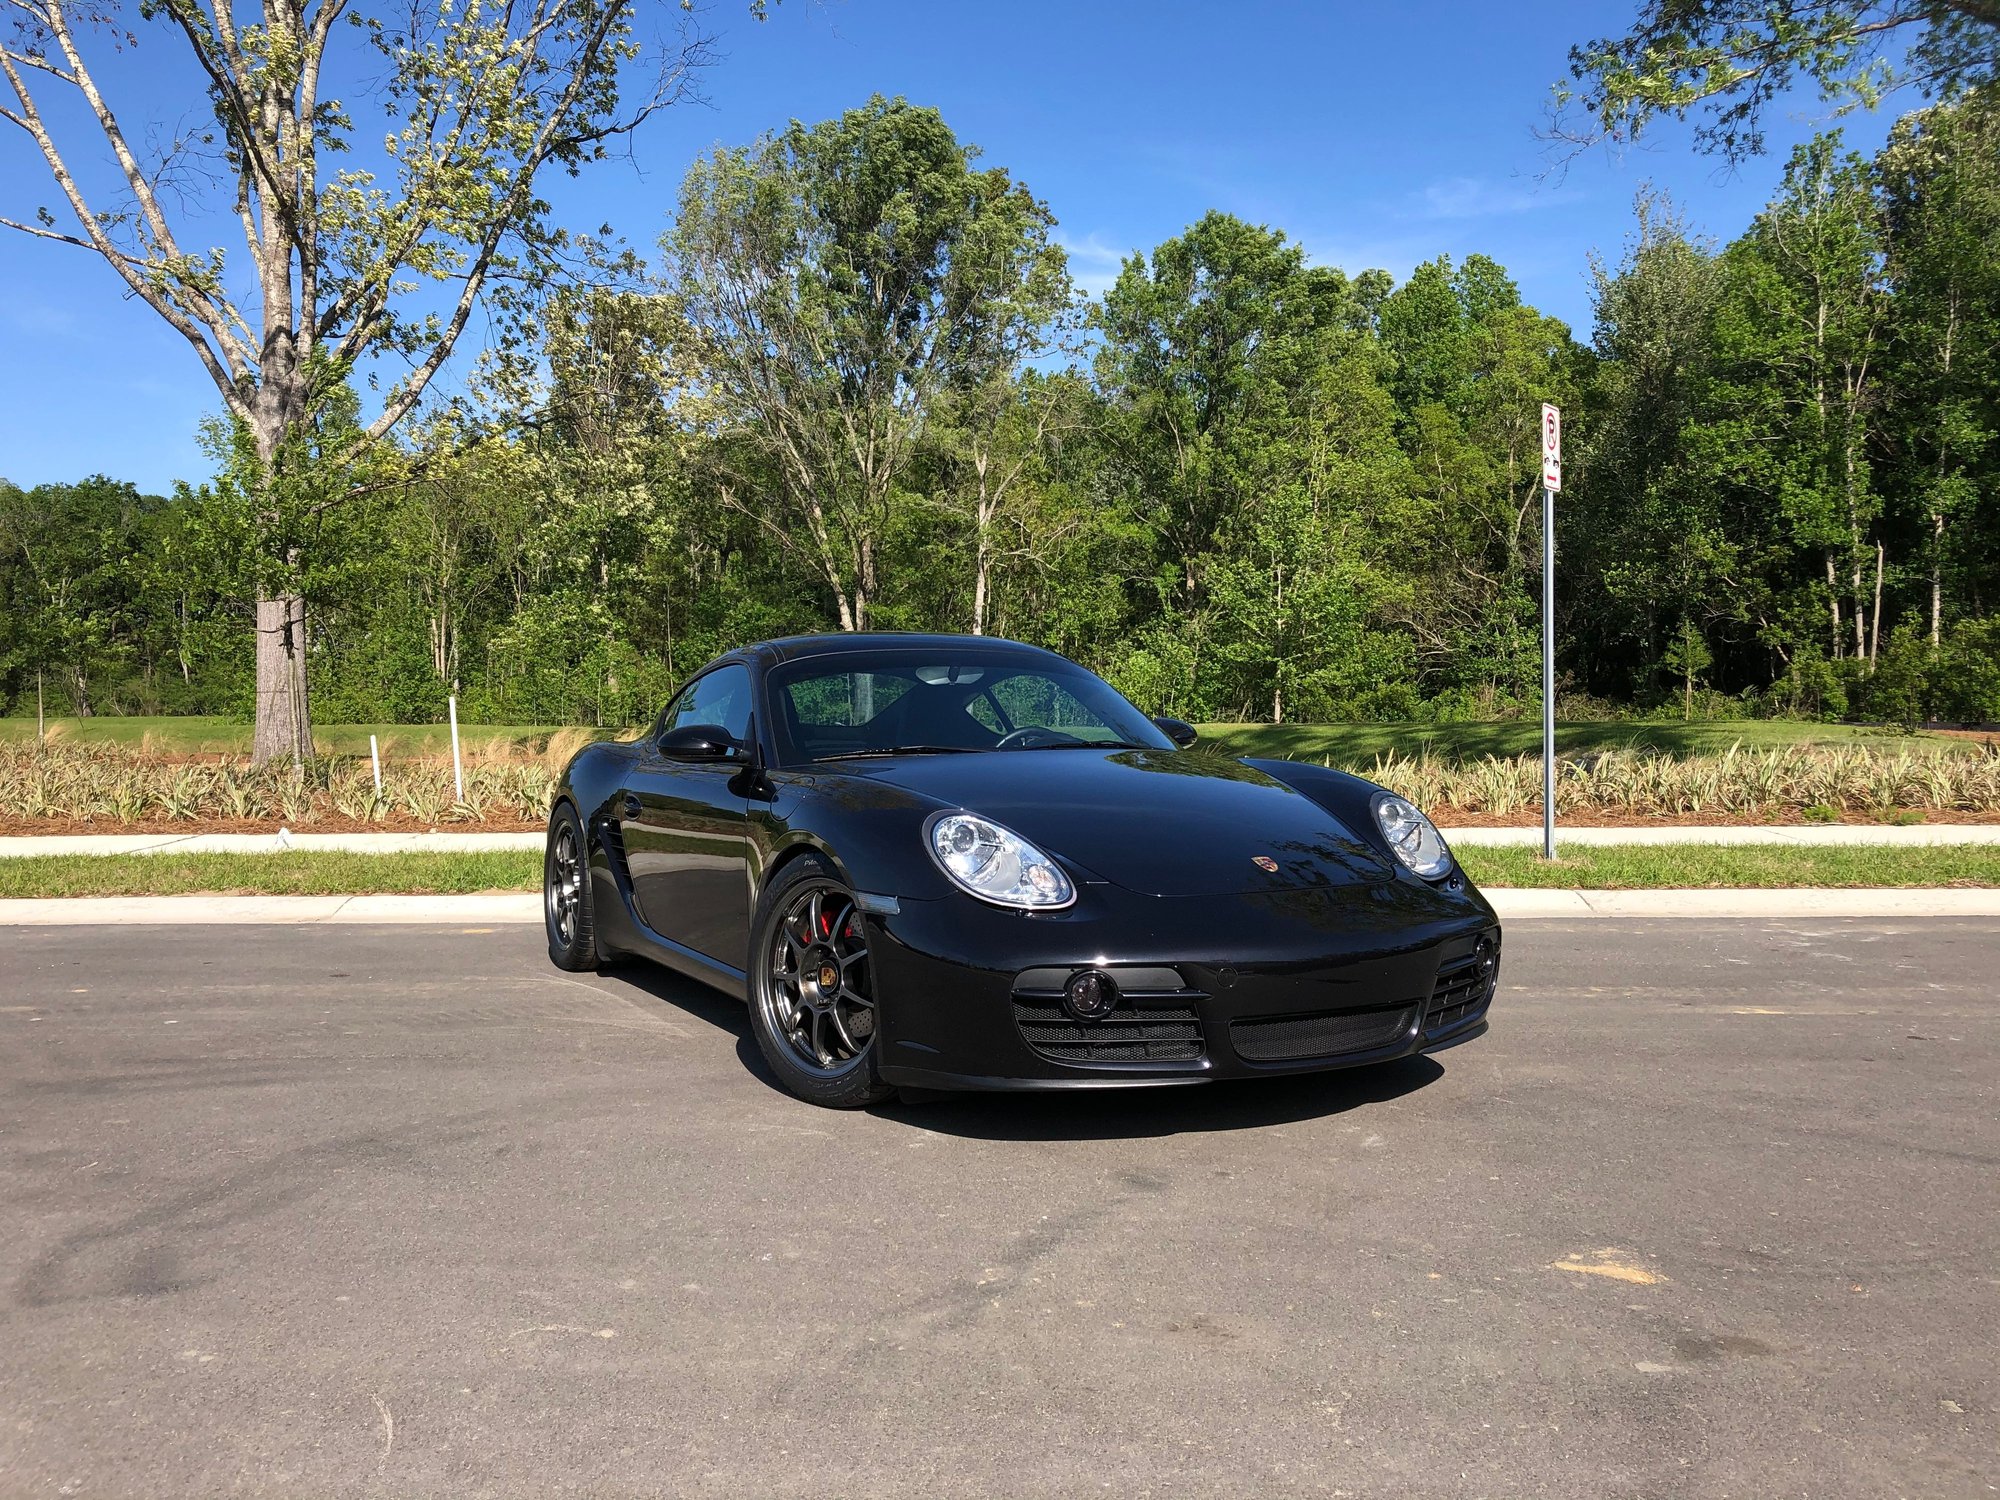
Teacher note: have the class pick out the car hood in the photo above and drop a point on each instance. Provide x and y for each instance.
(1162, 823)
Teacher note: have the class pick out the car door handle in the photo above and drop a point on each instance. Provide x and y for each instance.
(631, 805)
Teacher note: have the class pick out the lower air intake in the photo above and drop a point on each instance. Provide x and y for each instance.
(1155, 1027)
(1464, 989)
(1295, 1038)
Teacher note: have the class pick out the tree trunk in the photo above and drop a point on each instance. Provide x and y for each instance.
(1833, 601)
(1875, 630)
(1937, 577)
(982, 565)
(284, 722)
(284, 718)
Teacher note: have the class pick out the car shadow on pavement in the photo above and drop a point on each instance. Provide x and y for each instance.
(1129, 1113)
(1085, 1115)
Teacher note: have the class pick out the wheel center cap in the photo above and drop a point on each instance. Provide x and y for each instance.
(829, 977)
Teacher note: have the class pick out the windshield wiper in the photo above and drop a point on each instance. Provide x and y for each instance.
(1088, 745)
(899, 750)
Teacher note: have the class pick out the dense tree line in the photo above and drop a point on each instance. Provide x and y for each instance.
(856, 389)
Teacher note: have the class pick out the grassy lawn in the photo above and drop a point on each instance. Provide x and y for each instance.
(332, 873)
(319, 873)
(1359, 744)
(205, 735)
(1652, 867)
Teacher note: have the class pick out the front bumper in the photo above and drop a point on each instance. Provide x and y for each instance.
(1212, 987)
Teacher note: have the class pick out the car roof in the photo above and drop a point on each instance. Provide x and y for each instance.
(768, 654)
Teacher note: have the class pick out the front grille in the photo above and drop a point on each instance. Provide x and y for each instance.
(1147, 1026)
(1464, 988)
(1326, 1034)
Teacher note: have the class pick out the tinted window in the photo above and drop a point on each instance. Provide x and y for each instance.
(722, 697)
(861, 705)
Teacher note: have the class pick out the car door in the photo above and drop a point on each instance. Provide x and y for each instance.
(686, 827)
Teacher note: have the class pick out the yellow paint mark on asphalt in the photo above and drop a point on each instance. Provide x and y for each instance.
(473, 931)
(1754, 1010)
(1619, 1265)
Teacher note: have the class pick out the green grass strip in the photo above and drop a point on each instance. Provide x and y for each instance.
(1639, 867)
(1614, 867)
(299, 873)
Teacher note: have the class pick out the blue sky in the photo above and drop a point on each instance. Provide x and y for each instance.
(1373, 135)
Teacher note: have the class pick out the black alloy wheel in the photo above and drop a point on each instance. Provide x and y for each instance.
(566, 908)
(812, 997)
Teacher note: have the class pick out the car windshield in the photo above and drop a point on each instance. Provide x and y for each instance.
(929, 703)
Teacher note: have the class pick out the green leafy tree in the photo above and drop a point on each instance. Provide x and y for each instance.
(1655, 544)
(1687, 656)
(837, 281)
(351, 255)
(1941, 206)
(1473, 364)
(1732, 60)
(1799, 338)
(68, 547)
(1198, 347)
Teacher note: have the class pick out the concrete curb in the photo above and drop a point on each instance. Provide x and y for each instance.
(1521, 904)
(517, 908)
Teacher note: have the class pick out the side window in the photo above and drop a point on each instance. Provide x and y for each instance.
(722, 697)
(982, 711)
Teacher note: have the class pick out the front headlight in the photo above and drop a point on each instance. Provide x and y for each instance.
(996, 864)
(1412, 836)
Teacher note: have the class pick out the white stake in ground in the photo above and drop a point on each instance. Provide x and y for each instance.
(457, 770)
(375, 758)
(1552, 483)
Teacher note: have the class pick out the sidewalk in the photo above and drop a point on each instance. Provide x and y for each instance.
(1858, 834)
(499, 909)
(1877, 835)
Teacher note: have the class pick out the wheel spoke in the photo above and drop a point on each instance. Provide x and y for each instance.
(840, 1029)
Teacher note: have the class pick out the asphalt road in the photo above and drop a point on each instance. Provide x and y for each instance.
(357, 1211)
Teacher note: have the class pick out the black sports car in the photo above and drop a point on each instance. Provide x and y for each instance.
(956, 862)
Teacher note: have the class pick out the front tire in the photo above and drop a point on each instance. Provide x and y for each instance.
(812, 995)
(566, 907)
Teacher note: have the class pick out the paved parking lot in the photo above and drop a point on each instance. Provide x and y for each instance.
(396, 1211)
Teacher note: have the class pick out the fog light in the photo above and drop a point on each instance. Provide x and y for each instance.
(1090, 996)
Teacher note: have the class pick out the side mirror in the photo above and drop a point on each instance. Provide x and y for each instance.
(697, 742)
(1178, 730)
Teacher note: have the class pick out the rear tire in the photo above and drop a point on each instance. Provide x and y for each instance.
(566, 907)
(812, 996)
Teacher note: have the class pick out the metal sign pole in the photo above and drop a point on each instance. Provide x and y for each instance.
(1548, 673)
(1552, 483)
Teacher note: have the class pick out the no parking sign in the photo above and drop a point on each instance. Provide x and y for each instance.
(1552, 448)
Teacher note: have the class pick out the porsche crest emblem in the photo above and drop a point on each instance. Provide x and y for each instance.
(1264, 862)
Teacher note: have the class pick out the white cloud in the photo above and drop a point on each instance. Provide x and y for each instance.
(1481, 198)
(1093, 264)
